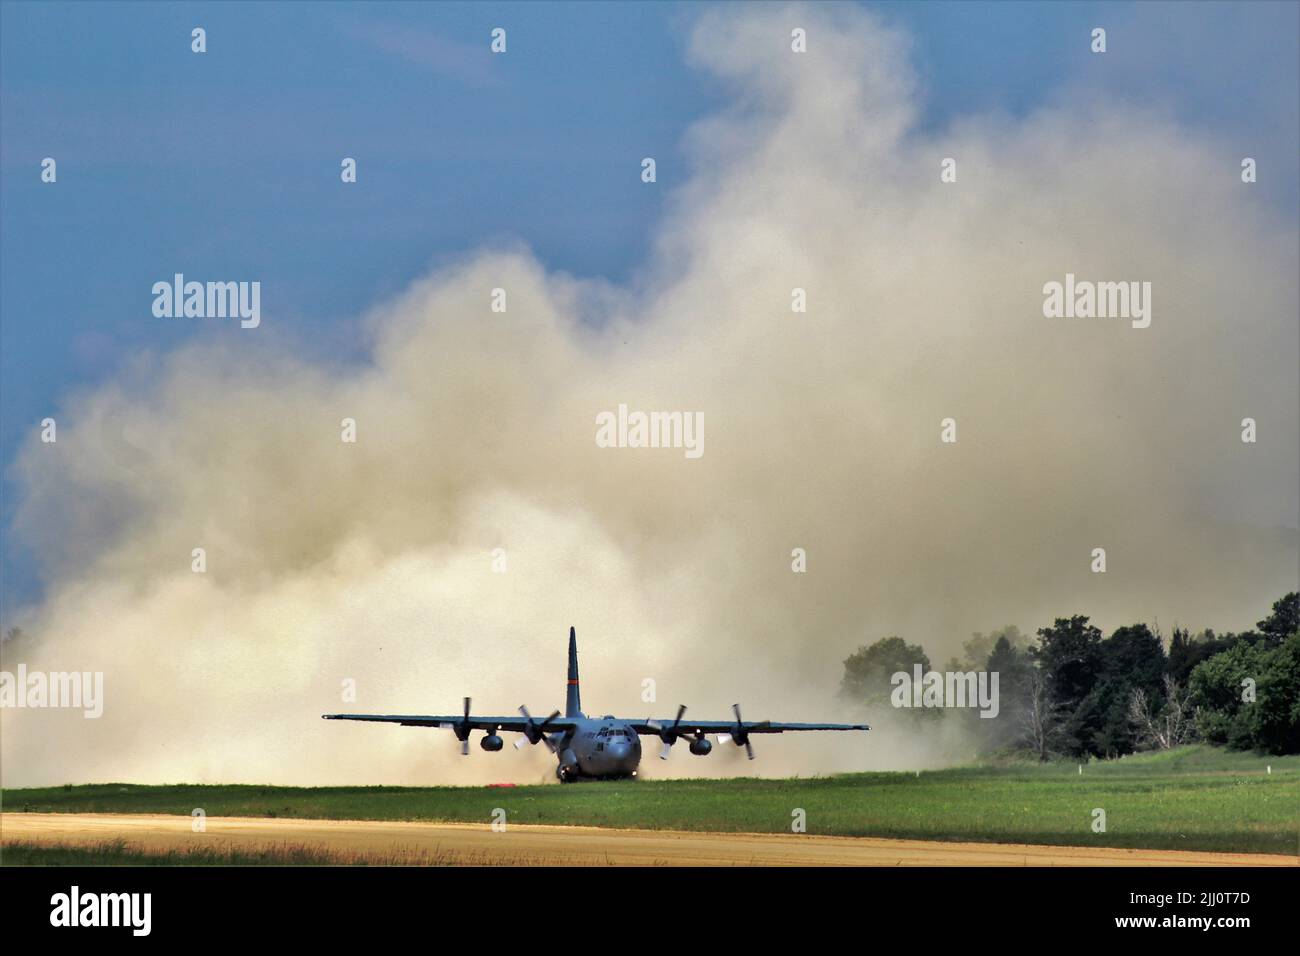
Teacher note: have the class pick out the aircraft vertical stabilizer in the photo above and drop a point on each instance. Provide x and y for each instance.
(572, 700)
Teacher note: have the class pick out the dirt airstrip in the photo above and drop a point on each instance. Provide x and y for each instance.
(520, 844)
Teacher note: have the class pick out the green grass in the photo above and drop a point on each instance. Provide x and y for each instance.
(1196, 798)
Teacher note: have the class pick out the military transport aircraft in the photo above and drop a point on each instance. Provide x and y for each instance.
(595, 748)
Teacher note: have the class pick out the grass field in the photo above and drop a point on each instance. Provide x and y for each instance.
(1195, 798)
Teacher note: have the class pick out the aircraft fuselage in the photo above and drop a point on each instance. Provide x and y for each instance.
(598, 748)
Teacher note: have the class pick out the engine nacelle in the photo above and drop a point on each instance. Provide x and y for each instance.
(701, 747)
(491, 743)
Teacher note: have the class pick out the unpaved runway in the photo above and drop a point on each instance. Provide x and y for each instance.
(397, 842)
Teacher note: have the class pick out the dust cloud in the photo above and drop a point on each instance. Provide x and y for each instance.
(372, 562)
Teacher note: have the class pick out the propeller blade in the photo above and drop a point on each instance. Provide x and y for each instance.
(534, 732)
(464, 747)
(541, 731)
(741, 736)
(466, 709)
(724, 738)
(669, 736)
(527, 738)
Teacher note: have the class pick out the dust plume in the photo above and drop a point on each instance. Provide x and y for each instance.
(373, 561)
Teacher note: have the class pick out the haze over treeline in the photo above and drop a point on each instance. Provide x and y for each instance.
(1070, 690)
(372, 561)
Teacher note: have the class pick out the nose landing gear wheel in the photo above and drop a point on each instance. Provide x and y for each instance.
(565, 774)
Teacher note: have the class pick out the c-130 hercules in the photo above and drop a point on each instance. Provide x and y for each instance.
(595, 748)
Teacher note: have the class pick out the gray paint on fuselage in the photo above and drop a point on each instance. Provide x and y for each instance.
(598, 747)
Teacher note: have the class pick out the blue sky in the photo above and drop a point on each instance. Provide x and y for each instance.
(226, 165)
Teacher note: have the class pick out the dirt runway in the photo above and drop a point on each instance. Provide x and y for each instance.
(520, 844)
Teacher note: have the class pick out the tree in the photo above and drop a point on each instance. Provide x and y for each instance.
(1069, 653)
(867, 671)
(1040, 717)
(975, 652)
(1274, 721)
(1187, 650)
(1170, 725)
(1132, 657)
(1285, 619)
(1226, 689)
(1011, 662)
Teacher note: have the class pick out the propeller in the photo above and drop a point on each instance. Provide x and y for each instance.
(741, 734)
(533, 731)
(461, 730)
(669, 736)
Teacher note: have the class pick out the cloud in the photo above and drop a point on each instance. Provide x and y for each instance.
(372, 561)
(427, 50)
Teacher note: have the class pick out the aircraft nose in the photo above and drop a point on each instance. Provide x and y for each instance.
(620, 751)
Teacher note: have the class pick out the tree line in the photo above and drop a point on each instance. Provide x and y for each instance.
(1071, 691)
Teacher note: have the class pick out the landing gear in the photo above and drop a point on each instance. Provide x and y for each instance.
(571, 775)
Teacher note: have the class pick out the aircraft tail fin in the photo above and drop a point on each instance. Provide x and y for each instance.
(572, 699)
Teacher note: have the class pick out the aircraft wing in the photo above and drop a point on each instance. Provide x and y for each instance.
(450, 721)
(688, 726)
